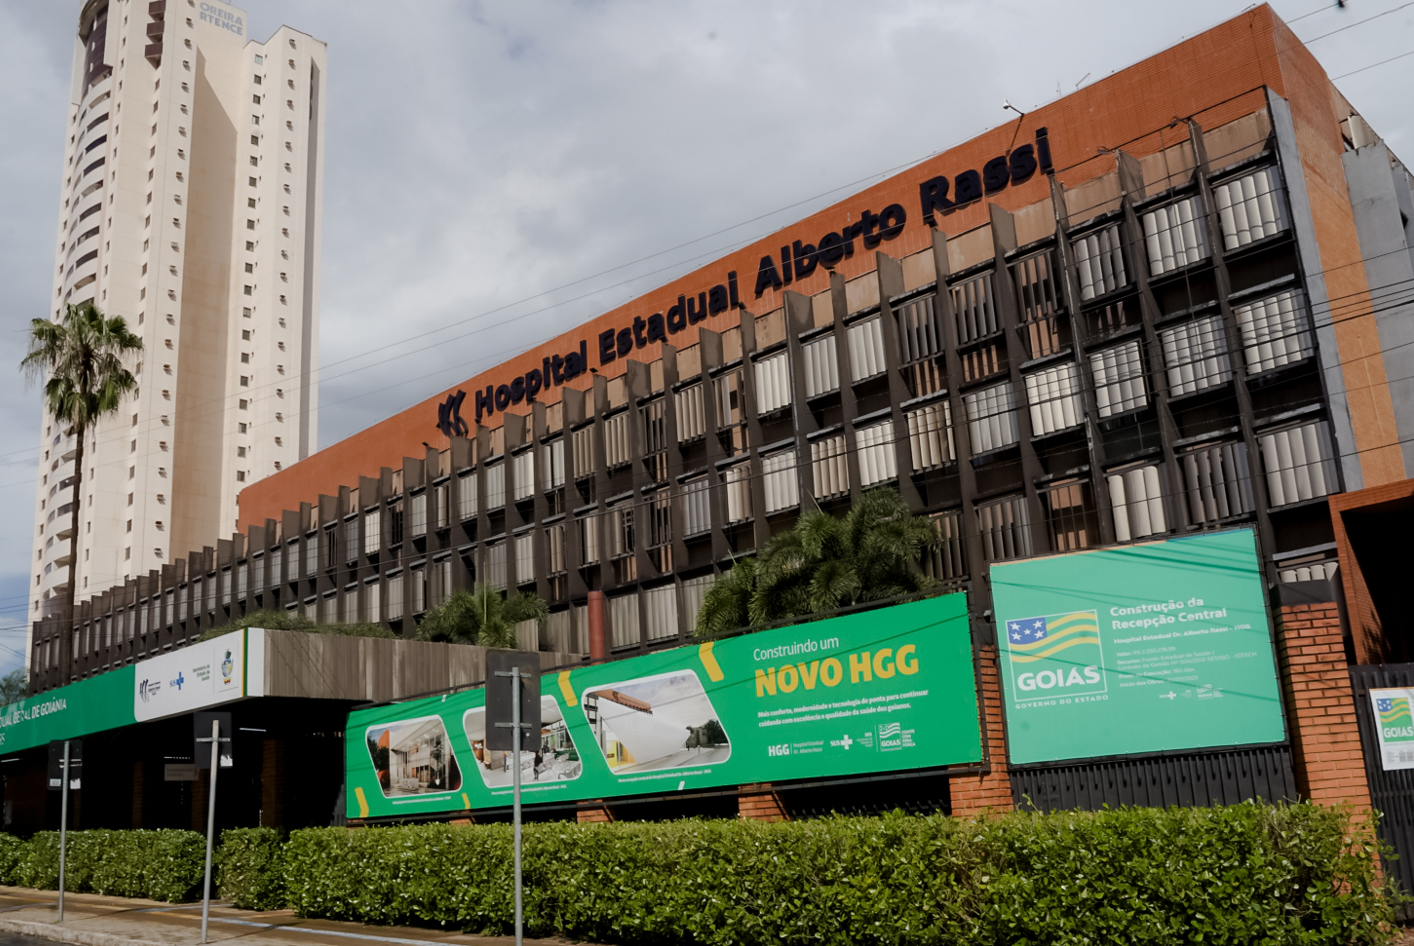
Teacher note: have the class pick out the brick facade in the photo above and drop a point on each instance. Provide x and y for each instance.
(1320, 706)
(991, 789)
(760, 803)
(597, 815)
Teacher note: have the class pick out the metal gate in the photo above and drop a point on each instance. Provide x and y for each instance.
(1391, 793)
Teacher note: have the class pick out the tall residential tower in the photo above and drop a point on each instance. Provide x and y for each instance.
(191, 204)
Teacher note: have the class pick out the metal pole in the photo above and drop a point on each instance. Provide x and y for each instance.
(515, 728)
(210, 822)
(63, 823)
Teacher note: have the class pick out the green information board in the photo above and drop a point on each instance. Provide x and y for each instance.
(88, 706)
(879, 691)
(1137, 649)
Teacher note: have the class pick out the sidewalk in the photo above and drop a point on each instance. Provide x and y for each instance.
(91, 920)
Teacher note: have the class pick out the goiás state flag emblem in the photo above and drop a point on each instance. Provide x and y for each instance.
(1396, 721)
(1055, 655)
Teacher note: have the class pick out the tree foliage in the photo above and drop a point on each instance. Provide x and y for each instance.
(482, 616)
(13, 686)
(295, 621)
(824, 563)
(83, 358)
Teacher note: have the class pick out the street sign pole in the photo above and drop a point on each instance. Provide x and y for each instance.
(515, 794)
(63, 823)
(210, 821)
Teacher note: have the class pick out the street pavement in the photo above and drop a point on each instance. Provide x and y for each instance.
(30, 918)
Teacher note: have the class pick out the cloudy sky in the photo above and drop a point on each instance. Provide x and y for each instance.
(497, 172)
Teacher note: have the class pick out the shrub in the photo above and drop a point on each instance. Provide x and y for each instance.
(1246, 873)
(250, 868)
(158, 865)
(12, 850)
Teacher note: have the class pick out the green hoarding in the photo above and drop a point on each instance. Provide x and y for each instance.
(879, 691)
(93, 705)
(1138, 649)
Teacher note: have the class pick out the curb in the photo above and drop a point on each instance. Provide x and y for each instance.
(66, 935)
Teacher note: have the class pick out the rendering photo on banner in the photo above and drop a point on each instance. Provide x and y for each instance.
(1138, 649)
(556, 758)
(886, 690)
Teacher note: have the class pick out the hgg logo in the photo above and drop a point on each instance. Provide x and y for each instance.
(778, 750)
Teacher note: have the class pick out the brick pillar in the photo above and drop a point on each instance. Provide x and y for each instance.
(599, 814)
(760, 803)
(1320, 706)
(991, 790)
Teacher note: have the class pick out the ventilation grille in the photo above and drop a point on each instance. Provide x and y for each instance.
(1218, 481)
(822, 367)
(972, 306)
(555, 464)
(524, 475)
(692, 418)
(1137, 497)
(944, 562)
(1173, 235)
(1119, 379)
(1099, 262)
(622, 612)
(930, 440)
(1005, 529)
(779, 481)
(772, 383)
(991, 417)
(829, 470)
(618, 450)
(660, 612)
(1250, 208)
(1274, 331)
(877, 461)
(696, 506)
(737, 480)
(495, 486)
(1299, 463)
(1053, 396)
(584, 452)
(1195, 354)
(866, 349)
(919, 332)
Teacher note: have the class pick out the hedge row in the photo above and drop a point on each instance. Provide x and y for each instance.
(157, 865)
(1299, 874)
(1242, 874)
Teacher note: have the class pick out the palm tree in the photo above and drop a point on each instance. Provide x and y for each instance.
(82, 355)
(824, 563)
(482, 616)
(13, 687)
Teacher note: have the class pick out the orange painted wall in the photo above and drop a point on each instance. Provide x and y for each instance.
(1215, 77)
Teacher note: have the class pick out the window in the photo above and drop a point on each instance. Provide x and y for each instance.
(589, 539)
(822, 367)
(554, 464)
(779, 481)
(351, 543)
(1195, 354)
(1137, 497)
(1005, 529)
(623, 621)
(944, 562)
(828, 467)
(1038, 298)
(1053, 396)
(496, 566)
(311, 554)
(731, 412)
(395, 597)
(1070, 515)
(972, 306)
(875, 448)
(930, 440)
(1218, 481)
(1274, 331)
(696, 506)
(419, 515)
(1299, 463)
(1250, 208)
(1119, 379)
(525, 557)
(866, 349)
(395, 522)
(772, 375)
(1099, 262)
(1173, 236)
(991, 417)
(555, 549)
(620, 521)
